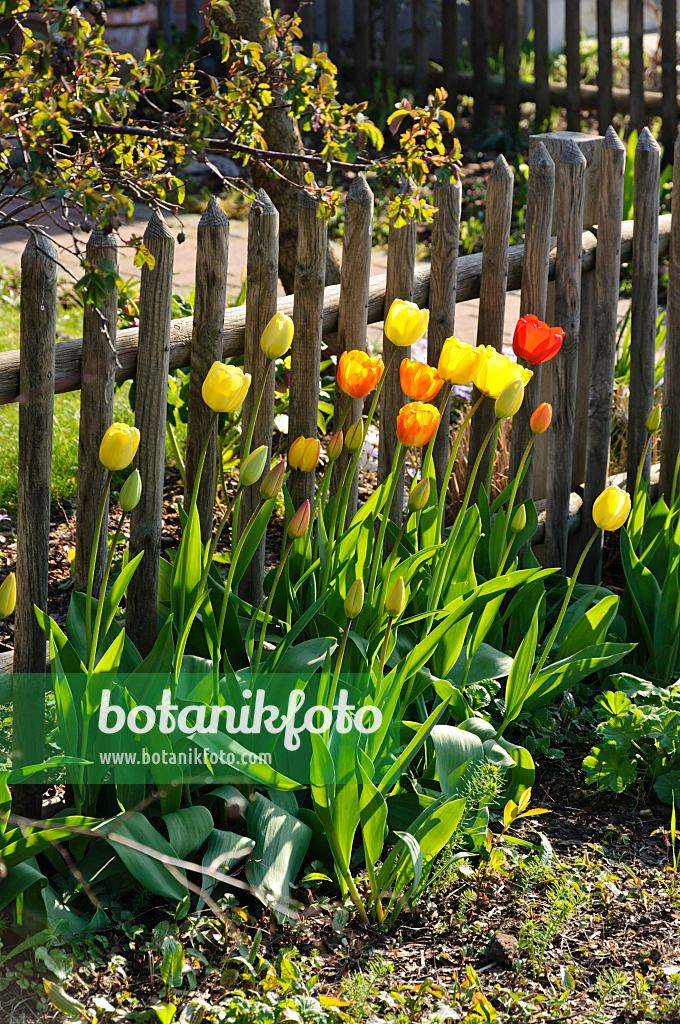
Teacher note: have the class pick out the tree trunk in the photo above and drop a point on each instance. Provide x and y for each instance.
(282, 134)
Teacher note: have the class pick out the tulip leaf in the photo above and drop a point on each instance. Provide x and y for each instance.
(281, 842)
(252, 541)
(455, 750)
(149, 871)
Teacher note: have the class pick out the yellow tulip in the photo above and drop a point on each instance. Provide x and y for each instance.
(405, 323)
(459, 361)
(396, 599)
(277, 336)
(8, 595)
(611, 508)
(510, 399)
(225, 387)
(118, 446)
(304, 453)
(496, 371)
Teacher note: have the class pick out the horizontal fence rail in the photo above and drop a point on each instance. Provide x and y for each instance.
(69, 353)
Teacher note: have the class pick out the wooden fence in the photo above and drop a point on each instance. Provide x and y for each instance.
(567, 270)
(483, 25)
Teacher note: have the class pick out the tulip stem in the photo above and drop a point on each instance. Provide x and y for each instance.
(251, 426)
(389, 565)
(338, 664)
(675, 478)
(400, 458)
(556, 628)
(92, 652)
(267, 610)
(427, 459)
(357, 454)
(345, 411)
(489, 475)
(176, 452)
(641, 465)
(455, 529)
(192, 506)
(513, 495)
(452, 459)
(383, 659)
(93, 562)
(331, 532)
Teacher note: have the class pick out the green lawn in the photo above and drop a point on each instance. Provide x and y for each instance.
(66, 407)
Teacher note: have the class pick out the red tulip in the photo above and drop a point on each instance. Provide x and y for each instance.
(535, 341)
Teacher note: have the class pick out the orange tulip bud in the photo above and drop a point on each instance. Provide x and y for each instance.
(419, 381)
(359, 373)
(304, 453)
(417, 424)
(299, 524)
(541, 418)
(273, 481)
(335, 446)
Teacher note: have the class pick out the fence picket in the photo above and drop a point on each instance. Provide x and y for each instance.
(450, 52)
(38, 329)
(420, 49)
(669, 77)
(333, 29)
(263, 279)
(636, 64)
(362, 40)
(212, 254)
(100, 324)
(605, 110)
(146, 520)
(542, 63)
(444, 264)
(492, 295)
(310, 276)
(353, 306)
(479, 46)
(511, 62)
(572, 42)
(571, 175)
(607, 276)
(401, 258)
(670, 420)
(644, 300)
(391, 34)
(540, 199)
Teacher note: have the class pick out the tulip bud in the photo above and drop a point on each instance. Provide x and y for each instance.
(541, 418)
(396, 599)
(253, 465)
(354, 438)
(130, 492)
(354, 601)
(277, 336)
(8, 595)
(654, 420)
(510, 399)
(417, 499)
(71, 559)
(335, 446)
(299, 524)
(273, 482)
(519, 520)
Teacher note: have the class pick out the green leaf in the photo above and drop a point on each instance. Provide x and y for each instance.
(609, 768)
(187, 829)
(455, 750)
(117, 591)
(561, 675)
(518, 684)
(591, 628)
(223, 850)
(281, 843)
(147, 870)
(63, 1002)
(252, 541)
(172, 962)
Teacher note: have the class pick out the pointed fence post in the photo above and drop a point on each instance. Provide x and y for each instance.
(571, 175)
(644, 301)
(636, 64)
(670, 419)
(98, 378)
(542, 64)
(607, 276)
(605, 107)
(151, 395)
(263, 280)
(212, 254)
(572, 46)
(539, 218)
(355, 275)
(443, 273)
(36, 413)
(492, 299)
(401, 261)
(305, 361)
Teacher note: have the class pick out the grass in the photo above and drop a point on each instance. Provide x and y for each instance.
(66, 407)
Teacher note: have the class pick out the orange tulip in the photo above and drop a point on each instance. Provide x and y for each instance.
(541, 418)
(419, 381)
(359, 373)
(417, 424)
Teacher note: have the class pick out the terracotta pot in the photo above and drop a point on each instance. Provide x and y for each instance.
(127, 28)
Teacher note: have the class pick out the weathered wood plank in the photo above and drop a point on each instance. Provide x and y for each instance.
(670, 420)
(212, 254)
(100, 324)
(146, 520)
